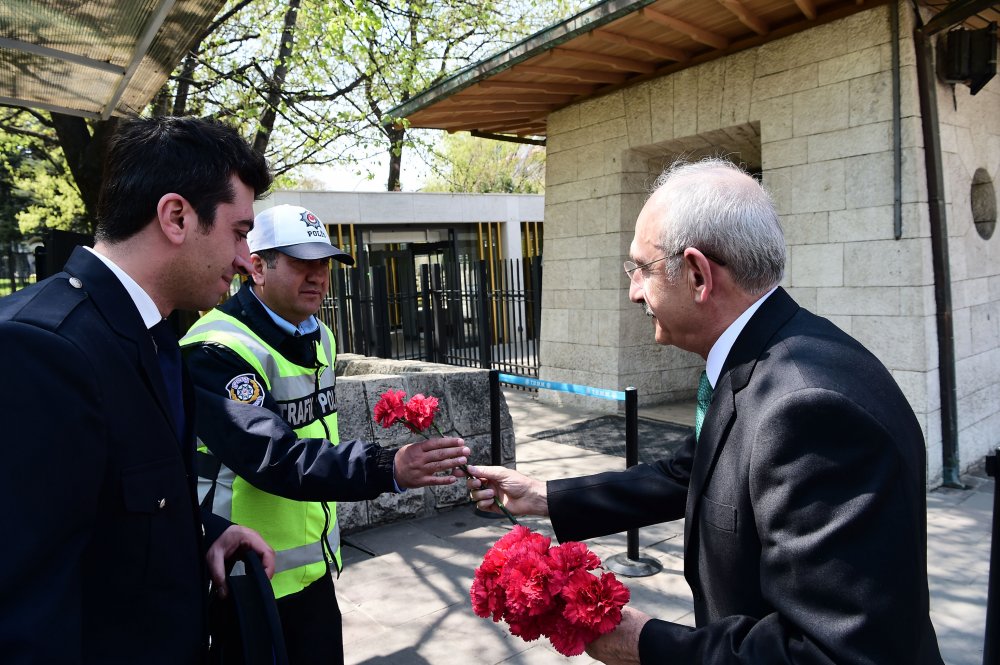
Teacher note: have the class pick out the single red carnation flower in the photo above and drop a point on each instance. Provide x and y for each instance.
(572, 556)
(420, 411)
(594, 602)
(527, 580)
(390, 408)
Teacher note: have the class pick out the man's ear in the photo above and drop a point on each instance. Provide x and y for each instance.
(699, 270)
(257, 269)
(175, 217)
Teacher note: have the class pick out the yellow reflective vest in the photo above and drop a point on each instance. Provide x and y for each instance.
(305, 535)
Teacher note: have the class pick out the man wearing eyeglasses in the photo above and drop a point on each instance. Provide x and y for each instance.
(803, 484)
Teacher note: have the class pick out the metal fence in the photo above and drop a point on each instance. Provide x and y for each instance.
(470, 313)
(17, 268)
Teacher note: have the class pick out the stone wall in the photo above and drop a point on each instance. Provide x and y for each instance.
(464, 396)
(813, 114)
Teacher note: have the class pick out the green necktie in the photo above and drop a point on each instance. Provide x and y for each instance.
(704, 399)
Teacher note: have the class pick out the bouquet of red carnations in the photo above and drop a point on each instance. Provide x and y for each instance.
(551, 591)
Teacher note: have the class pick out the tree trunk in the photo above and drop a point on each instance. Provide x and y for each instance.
(84, 152)
(396, 137)
(277, 81)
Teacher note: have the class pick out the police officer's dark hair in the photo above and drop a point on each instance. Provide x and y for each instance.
(269, 257)
(193, 157)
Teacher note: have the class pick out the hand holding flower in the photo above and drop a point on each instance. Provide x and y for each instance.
(416, 464)
(495, 487)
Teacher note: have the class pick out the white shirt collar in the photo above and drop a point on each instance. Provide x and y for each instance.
(720, 350)
(147, 308)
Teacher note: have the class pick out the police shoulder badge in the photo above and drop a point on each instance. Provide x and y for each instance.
(245, 388)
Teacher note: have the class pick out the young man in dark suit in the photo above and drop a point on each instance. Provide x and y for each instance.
(803, 491)
(106, 558)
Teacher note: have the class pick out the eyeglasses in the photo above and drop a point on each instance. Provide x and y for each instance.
(634, 270)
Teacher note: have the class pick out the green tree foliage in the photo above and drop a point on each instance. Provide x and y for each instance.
(464, 163)
(35, 192)
(308, 81)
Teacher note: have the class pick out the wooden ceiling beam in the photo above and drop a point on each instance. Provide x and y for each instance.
(652, 48)
(618, 62)
(584, 75)
(488, 126)
(746, 17)
(491, 105)
(694, 32)
(513, 98)
(544, 88)
(807, 7)
(492, 114)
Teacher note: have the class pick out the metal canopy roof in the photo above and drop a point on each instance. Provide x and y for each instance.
(616, 43)
(94, 58)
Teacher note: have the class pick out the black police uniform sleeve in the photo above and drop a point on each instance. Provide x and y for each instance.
(257, 444)
(54, 458)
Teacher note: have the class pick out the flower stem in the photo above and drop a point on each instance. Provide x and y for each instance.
(496, 501)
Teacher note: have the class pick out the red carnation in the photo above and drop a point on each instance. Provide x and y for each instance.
(420, 411)
(542, 590)
(594, 602)
(390, 408)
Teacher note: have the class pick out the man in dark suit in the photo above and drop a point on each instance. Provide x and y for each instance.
(803, 491)
(106, 559)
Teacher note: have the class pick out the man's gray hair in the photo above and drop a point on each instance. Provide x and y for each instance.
(732, 218)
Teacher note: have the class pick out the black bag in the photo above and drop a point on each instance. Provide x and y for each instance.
(245, 627)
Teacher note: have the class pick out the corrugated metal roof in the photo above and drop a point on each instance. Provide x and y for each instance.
(94, 58)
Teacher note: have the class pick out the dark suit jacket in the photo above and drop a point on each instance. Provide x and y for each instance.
(805, 507)
(103, 552)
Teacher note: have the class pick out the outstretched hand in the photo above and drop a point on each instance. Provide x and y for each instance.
(234, 540)
(518, 493)
(417, 463)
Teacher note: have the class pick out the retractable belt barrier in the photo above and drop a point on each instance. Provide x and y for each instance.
(628, 563)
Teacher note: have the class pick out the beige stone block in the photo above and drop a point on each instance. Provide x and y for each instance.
(563, 120)
(608, 327)
(557, 249)
(613, 152)
(805, 296)
(593, 217)
(865, 29)
(845, 323)
(559, 274)
(560, 167)
(984, 321)
(822, 109)
(885, 262)
(606, 298)
(784, 83)
(916, 300)
(638, 117)
(560, 218)
(603, 245)
(821, 42)
(898, 341)
(779, 182)
(661, 109)
(817, 265)
(685, 106)
(710, 88)
(859, 224)
(788, 152)
(737, 88)
(855, 301)
(582, 327)
(568, 296)
(775, 118)
(555, 325)
(817, 187)
(848, 66)
(590, 160)
(870, 99)
(601, 109)
(861, 140)
(914, 386)
(975, 292)
(806, 229)
(869, 180)
(914, 175)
